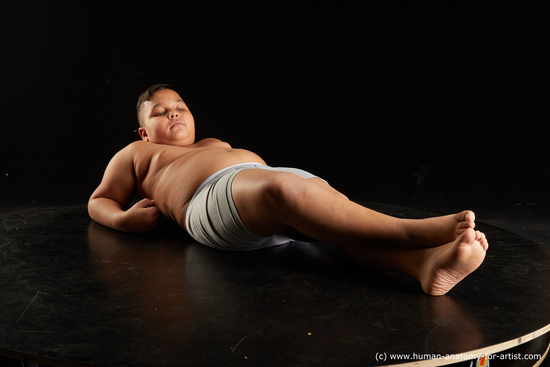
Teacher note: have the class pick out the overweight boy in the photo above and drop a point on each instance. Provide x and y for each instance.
(230, 199)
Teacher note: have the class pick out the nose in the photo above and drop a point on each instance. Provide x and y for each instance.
(173, 114)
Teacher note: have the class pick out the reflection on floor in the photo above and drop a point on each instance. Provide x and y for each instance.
(306, 272)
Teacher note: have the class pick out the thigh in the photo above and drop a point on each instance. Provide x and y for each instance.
(254, 195)
(322, 183)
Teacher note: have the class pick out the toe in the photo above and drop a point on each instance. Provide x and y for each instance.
(468, 237)
(484, 242)
(468, 216)
(482, 239)
(466, 225)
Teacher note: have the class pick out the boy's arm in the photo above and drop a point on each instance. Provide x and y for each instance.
(112, 196)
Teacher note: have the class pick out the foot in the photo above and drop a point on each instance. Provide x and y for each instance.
(436, 231)
(443, 267)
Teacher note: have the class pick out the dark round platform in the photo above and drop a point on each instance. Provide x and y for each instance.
(77, 293)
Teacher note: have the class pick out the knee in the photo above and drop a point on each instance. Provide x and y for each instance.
(288, 190)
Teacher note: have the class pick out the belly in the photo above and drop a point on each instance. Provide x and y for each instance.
(178, 181)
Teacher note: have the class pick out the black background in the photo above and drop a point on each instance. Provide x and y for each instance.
(423, 103)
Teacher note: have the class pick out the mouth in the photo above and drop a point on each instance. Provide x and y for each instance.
(177, 123)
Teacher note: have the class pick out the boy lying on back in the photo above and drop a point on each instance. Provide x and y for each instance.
(230, 199)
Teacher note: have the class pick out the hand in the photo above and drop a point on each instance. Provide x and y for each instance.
(142, 217)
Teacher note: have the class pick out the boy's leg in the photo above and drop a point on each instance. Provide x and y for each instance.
(268, 201)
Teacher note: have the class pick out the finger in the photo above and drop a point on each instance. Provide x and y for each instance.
(144, 203)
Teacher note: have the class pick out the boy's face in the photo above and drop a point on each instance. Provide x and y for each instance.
(166, 119)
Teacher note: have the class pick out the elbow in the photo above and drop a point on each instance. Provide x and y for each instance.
(95, 207)
(91, 209)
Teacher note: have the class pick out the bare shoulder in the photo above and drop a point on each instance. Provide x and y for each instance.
(212, 142)
(134, 147)
(209, 140)
(131, 151)
(123, 160)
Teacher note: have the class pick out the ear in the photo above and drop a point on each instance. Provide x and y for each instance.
(143, 134)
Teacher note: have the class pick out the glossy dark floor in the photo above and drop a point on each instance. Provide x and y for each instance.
(75, 292)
